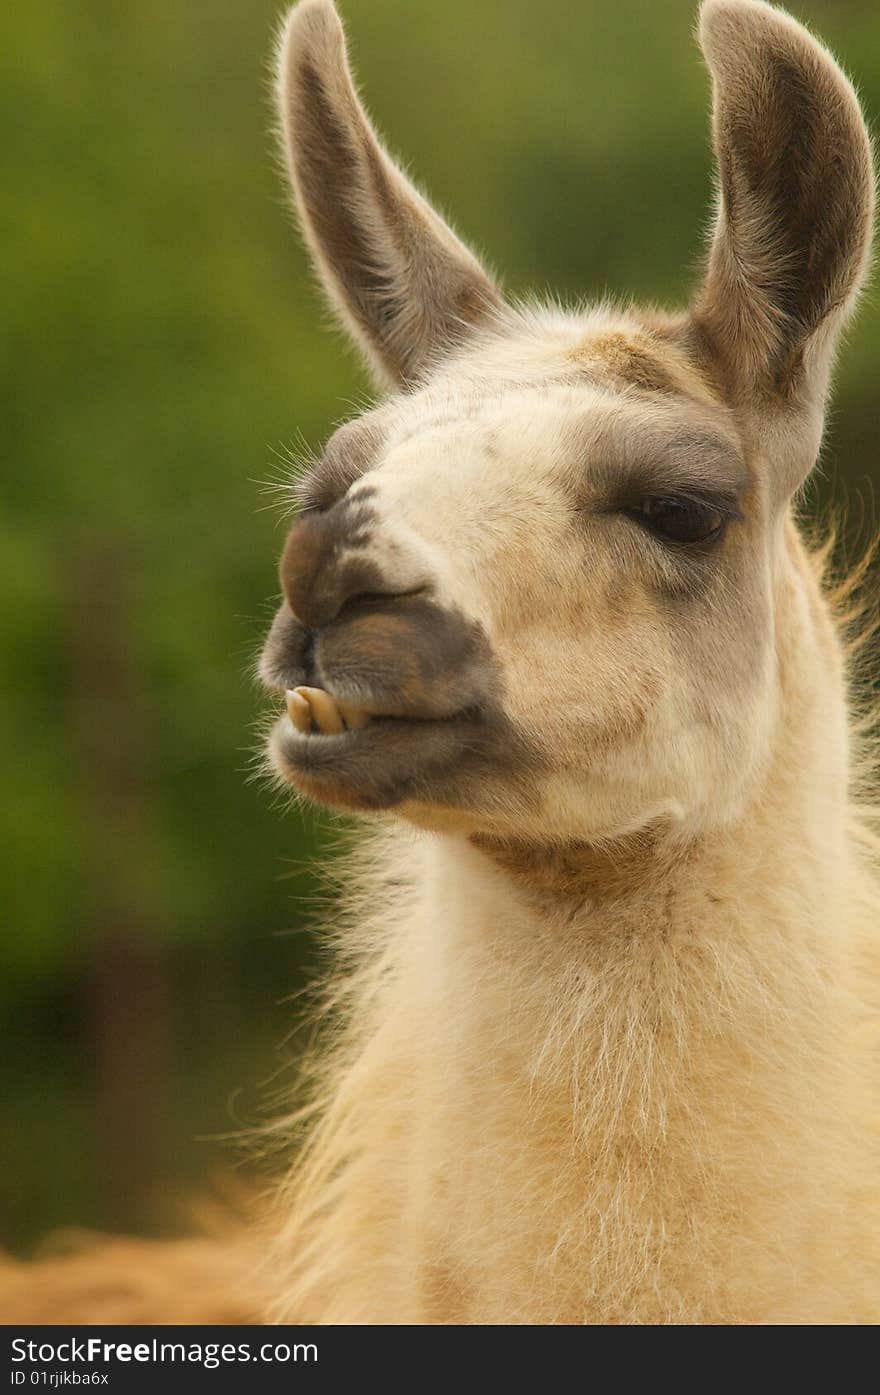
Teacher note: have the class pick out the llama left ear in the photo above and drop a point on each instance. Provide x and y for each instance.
(402, 282)
(792, 239)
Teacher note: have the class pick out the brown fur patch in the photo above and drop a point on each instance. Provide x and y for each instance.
(664, 359)
(413, 656)
(582, 872)
(137, 1281)
(628, 359)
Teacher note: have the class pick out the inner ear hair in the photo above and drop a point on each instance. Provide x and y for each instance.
(402, 282)
(792, 238)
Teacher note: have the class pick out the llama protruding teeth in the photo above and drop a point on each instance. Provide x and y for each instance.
(314, 709)
(325, 714)
(298, 709)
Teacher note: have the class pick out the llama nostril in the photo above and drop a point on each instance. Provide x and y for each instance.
(321, 576)
(302, 561)
(362, 600)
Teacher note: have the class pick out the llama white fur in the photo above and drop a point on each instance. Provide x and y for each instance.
(605, 1052)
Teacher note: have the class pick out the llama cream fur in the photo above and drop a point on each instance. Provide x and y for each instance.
(601, 1048)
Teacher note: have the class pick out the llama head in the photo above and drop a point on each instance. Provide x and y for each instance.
(533, 591)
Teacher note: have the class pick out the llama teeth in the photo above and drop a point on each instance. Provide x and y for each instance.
(325, 714)
(298, 710)
(313, 709)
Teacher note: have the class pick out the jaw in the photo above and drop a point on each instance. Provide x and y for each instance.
(384, 765)
(473, 772)
(433, 772)
(397, 705)
(472, 776)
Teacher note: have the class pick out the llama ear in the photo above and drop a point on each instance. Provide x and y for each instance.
(792, 239)
(401, 280)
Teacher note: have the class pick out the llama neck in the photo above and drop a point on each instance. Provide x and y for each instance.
(624, 1086)
(657, 1067)
(629, 1109)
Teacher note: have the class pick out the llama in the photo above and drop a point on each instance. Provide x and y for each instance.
(547, 619)
(601, 1033)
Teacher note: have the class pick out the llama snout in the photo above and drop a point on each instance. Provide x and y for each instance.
(389, 687)
(363, 619)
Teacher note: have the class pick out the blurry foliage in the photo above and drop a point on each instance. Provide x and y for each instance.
(162, 340)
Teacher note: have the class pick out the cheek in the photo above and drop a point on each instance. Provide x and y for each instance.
(637, 709)
(709, 736)
(732, 708)
(585, 680)
(582, 658)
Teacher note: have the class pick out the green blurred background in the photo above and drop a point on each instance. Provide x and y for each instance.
(162, 343)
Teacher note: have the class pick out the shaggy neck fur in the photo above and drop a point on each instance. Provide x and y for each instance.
(632, 1097)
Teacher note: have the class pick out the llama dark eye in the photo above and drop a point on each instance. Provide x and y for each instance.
(680, 520)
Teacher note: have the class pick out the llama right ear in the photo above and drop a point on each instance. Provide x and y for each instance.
(403, 283)
(792, 239)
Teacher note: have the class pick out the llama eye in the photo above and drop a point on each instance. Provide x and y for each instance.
(680, 520)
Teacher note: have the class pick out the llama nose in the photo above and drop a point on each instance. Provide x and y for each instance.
(323, 566)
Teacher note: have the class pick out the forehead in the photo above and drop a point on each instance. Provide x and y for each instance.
(541, 347)
(591, 387)
(549, 391)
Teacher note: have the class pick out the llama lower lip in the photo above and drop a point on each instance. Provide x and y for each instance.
(376, 766)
